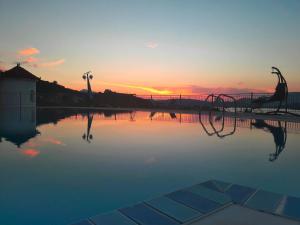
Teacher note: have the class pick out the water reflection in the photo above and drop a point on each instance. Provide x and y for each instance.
(59, 174)
(19, 126)
(171, 114)
(221, 133)
(279, 133)
(88, 136)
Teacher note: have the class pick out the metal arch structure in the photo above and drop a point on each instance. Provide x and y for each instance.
(280, 95)
(220, 132)
(221, 96)
(212, 99)
(281, 88)
(204, 128)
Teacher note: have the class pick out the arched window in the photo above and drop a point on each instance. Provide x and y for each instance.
(32, 96)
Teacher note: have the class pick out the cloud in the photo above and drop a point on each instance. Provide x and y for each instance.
(144, 88)
(50, 63)
(29, 51)
(2, 67)
(31, 60)
(151, 44)
(195, 89)
(190, 89)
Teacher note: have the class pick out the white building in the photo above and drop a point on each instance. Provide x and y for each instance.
(17, 88)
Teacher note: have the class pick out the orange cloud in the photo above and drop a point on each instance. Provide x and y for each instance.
(31, 152)
(147, 89)
(29, 51)
(2, 67)
(51, 63)
(31, 60)
(190, 89)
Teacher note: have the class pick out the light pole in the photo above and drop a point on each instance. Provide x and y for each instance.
(88, 136)
(88, 76)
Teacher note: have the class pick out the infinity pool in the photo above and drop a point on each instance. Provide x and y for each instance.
(59, 166)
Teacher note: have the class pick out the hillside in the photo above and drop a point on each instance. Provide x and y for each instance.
(53, 94)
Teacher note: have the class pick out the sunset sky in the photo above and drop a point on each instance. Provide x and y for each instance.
(154, 46)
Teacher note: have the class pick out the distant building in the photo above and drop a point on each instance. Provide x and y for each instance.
(17, 88)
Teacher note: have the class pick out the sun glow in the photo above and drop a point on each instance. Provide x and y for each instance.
(144, 88)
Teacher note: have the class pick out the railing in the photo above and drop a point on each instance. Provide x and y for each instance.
(243, 101)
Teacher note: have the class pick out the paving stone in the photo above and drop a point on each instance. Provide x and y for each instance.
(145, 215)
(265, 201)
(194, 201)
(112, 218)
(174, 209)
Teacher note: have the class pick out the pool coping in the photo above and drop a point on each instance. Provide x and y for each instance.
(204, 200)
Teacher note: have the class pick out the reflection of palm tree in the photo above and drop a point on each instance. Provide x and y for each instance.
(88, 136)
(279, 133)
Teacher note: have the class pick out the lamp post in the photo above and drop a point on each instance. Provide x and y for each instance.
(88, 136)
(88, 76)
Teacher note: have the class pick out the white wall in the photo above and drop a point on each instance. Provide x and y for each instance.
(17, 92)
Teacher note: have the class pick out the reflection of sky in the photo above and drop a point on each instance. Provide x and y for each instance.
(128, 162)
(195, 44)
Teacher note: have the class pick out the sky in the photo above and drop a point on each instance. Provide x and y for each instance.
(154, 46)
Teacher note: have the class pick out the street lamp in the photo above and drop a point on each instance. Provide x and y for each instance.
(88, 76)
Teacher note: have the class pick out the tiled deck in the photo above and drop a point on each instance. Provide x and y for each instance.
(211, 202)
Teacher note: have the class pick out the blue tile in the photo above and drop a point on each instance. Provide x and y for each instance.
(292, 208)
(194, 201)
(264, 201)
(112, 218)
(210, 194)
(211, 185)
(174, 209)
(216, 185)
(221, 185)
(239, 194)
(83, 222)
(145, 215)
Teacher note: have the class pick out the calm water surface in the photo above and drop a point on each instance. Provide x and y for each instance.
(59, 166)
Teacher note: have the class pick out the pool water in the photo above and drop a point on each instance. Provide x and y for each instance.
(58, 166)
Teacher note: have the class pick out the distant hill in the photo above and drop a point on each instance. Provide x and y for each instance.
(293, 103)
(54, 94)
